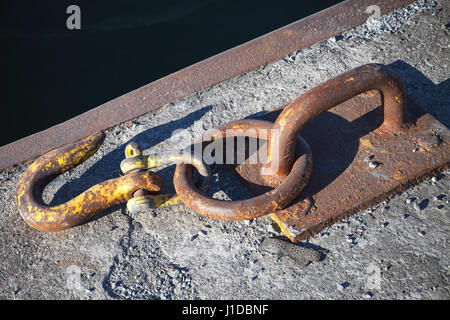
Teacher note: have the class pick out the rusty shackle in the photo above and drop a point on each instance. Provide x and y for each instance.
(135, 162)
(290, 153)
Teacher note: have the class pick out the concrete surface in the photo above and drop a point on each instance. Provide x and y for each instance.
(397, 249)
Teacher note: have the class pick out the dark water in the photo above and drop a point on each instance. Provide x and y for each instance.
(51, 74)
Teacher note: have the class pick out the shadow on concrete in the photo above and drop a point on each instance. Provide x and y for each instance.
(424, 92)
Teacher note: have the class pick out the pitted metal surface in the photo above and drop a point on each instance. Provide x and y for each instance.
(282, 248)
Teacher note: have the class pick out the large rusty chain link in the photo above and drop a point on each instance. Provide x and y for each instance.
(292, 174)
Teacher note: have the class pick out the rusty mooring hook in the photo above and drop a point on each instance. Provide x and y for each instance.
(81, 208)
(289, 177)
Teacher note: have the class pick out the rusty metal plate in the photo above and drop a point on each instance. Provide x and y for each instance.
(356, 166)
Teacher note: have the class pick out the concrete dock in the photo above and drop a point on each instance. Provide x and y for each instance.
(397, 249)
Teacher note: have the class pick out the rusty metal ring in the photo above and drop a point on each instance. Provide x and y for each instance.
(298, 113)
(258, 206)
(281, 147)
(83, 207)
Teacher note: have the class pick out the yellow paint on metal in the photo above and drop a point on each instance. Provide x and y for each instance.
(83, 206)
(282, 226)
(284, 116)
(132, 151)
(152, 162)
(148, 202)
(165, 200)
(139, 162)
(370, 93)
(365, 143)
